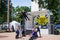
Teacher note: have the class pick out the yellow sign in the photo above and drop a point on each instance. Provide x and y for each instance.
(42, 20)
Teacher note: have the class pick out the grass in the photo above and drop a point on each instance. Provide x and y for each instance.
(58, 30)
(4, 31)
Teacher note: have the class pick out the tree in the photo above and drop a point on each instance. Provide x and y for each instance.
(17, 11)
(52, 5)
(3, 10)
(0, 3)
(27, 9)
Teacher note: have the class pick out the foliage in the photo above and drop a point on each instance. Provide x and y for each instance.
(3, 10)
(17, 11)
(52, 5)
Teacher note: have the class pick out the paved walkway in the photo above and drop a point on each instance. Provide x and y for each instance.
(11, 36)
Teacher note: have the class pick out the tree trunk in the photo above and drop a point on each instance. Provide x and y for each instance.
(0, 1)
(0, 28)
(8, 12)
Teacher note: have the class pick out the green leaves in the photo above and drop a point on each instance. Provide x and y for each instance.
(52, 5)
(17, 11)
(3, 10)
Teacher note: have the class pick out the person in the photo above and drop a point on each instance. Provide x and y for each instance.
(7, 29)
(13, 28)
(38, 32)
(23, 32)
(17, 32)
(34, 34)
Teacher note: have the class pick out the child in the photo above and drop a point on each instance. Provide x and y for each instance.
(17, 32)
(34, 34)
(23, 32)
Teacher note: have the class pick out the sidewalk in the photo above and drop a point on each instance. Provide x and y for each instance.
(11, 36)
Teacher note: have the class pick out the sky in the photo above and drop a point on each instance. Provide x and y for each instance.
(21, 3)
